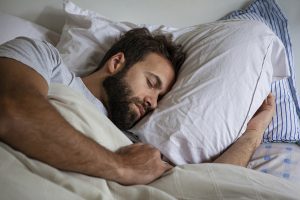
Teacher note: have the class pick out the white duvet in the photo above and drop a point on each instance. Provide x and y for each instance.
(25, 178)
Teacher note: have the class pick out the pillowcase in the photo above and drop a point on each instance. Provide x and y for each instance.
(285, 125)
(86, 37)
(12, 27)
(226, 77)
(224, 80)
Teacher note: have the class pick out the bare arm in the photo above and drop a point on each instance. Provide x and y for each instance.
(240, 152)
(30, 124)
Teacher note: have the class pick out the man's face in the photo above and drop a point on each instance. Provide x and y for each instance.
(133, 93)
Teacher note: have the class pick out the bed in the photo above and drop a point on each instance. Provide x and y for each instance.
(273, 170)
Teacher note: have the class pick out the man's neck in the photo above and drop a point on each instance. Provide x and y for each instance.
(94, 83)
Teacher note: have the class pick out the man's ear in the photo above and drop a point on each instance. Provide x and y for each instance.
(116, 63)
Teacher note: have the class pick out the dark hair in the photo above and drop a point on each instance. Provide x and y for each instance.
(138, 43)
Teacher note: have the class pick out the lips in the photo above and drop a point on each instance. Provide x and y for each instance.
(141, 109)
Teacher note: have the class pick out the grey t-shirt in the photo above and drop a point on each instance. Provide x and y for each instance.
(45, 59)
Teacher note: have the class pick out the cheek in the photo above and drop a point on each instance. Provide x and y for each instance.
(137, 86)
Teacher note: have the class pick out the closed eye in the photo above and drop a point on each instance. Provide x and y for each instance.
(149, 83)
(154, 82)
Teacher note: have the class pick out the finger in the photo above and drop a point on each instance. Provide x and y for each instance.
(167, 166)
(266, 99)
(271, 96)
(271, 99)
(138, 144)
(154, 149)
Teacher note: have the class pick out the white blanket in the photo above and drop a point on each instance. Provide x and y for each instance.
(25, 178)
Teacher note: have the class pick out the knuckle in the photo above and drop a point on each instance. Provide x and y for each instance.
(156, 152)
(138, 144)
(149, 145)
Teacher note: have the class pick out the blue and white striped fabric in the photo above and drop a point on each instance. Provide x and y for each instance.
(285, 125)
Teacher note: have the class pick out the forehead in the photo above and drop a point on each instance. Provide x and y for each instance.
(157, 65)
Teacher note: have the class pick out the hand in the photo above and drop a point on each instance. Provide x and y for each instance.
(241, 151)
(262, 118)
(263, 115)
(140, 164)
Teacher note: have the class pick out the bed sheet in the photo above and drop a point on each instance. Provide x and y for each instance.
(278, 159)
(24, 178)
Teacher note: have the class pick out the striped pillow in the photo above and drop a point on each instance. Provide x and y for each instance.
(285, 125)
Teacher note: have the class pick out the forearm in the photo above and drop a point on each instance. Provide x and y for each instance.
(30, 124)
(241, 151)
(39, 131)
(52, 140)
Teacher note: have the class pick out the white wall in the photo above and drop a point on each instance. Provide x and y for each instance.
(177, 13)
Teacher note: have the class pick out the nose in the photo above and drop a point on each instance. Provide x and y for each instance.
(151, 101)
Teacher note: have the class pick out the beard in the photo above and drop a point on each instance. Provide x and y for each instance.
(120, 97)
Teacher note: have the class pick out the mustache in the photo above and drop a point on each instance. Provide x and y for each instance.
(146, 107)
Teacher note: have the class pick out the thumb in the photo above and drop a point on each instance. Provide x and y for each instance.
(167, 166)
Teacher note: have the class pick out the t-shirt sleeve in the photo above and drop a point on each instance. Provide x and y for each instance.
(39, 55)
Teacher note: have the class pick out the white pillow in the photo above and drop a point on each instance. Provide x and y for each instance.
(226, 76)
(12, 27)
(87, 36)
(224, 80)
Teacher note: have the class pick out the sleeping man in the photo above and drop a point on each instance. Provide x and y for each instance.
(133, 75)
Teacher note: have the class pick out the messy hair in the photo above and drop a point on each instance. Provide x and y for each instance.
(138, 43)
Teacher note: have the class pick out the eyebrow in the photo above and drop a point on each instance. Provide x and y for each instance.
(158, 82)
